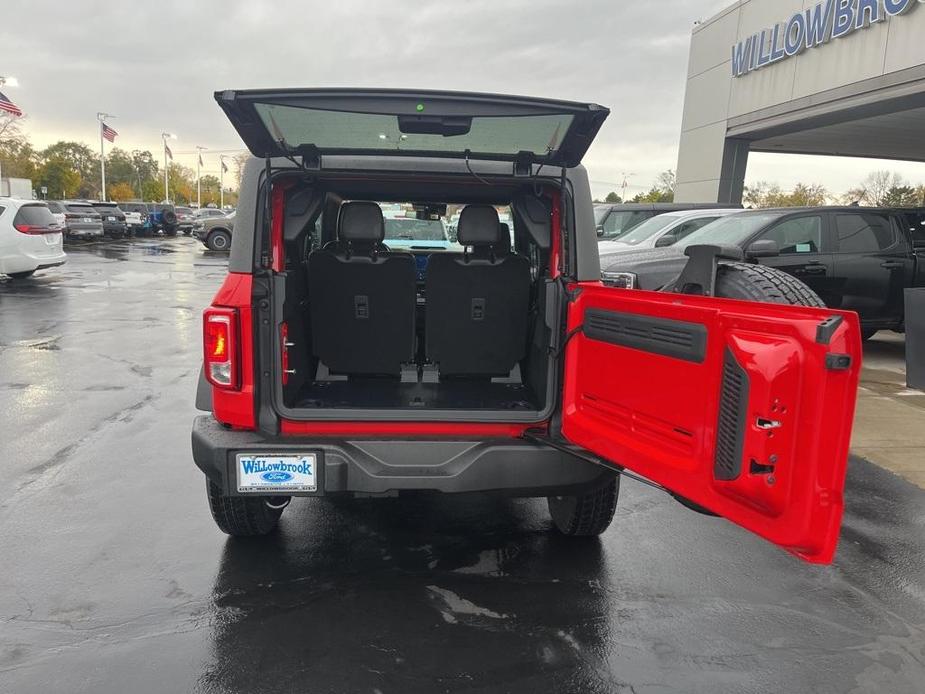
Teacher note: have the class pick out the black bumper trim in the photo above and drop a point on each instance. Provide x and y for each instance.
(513, 467)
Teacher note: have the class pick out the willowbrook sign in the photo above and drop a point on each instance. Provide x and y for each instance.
(830, 19)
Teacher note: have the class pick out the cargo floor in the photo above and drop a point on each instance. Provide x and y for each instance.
(374, 394)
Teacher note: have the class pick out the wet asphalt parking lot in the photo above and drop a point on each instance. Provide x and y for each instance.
(113, 577)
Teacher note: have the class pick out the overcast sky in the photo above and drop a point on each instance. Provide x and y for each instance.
(155, 65)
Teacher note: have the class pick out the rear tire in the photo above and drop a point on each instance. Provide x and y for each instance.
(243, 516)
(765, 284)
(587, 515)
(22, 275)
(218, 241)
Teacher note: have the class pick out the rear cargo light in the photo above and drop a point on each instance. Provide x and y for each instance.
(220, 345)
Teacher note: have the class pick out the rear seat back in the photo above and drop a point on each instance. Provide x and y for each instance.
(478, 302)
(362, 297)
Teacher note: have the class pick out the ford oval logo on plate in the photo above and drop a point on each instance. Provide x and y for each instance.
(276, 477)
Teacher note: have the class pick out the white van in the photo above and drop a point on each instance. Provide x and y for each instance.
(30, 238)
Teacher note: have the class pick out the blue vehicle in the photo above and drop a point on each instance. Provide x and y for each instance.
(163, 219)
(410, 233)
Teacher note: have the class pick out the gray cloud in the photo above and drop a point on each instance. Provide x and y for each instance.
(156, 65)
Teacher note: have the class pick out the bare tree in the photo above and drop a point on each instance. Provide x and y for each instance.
(875, 189)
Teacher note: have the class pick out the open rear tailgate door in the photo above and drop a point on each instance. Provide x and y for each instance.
(743, 408)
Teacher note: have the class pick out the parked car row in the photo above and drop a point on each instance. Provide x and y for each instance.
(90, 219)
(855, 258)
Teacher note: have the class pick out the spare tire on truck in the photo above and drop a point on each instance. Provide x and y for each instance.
(169, 217)
(768, 285)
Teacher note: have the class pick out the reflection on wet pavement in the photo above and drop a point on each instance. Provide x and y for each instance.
(114, 578)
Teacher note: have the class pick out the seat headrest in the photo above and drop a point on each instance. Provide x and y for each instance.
(478, 226)
(359, 220)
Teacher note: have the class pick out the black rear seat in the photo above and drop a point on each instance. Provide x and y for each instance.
(478, 303)
(362, 297)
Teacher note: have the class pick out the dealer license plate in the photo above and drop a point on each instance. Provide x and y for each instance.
(277, 473)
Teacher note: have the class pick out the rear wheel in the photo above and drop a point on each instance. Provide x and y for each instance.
(587, 515)
(22, 275)
(219, 240)
(765, 284)
(244, 516)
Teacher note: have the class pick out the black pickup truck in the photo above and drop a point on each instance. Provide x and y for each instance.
(856, 259)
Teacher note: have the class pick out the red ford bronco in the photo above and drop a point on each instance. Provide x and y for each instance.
(342, 358)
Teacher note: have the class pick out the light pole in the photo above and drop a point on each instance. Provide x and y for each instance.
(7, 82)
(625, 184)
(199, 151)
(165, 137)
(221, 181)
(100, 117)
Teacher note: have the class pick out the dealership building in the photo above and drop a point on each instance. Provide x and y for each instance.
(836, 77)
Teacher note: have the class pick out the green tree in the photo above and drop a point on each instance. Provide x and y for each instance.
(182, 184)
(662, 190)
(83, 160)
(613, 198)
(211, 189)
(901, 196)
(119, 167)
(59, 176)
(152, 190)
(121, 191)
(145, 167)
(19, 159)
(763, 194)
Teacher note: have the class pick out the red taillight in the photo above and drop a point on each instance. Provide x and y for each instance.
(220, 345)
(33, 229)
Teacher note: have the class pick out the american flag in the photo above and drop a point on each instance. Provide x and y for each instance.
(167, 150)
(224, 167)
(109, 133)
(9, 107)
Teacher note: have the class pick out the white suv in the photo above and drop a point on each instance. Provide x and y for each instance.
(30, 238)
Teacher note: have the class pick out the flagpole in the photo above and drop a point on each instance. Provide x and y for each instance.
(221, 181)
(165, 136)
(166, 191)
(198, 168)
(99, 117)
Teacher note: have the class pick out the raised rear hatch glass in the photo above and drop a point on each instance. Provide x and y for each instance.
(412, 123)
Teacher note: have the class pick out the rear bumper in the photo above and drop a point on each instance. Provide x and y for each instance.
(28, 262)
(114, 228)
(93, 232)
(508, 466)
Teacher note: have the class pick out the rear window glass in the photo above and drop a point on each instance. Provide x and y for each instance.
(863, 233)
(368, 131)
(184, 210)
(415, 230)
(81, 209)
(34, 215)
